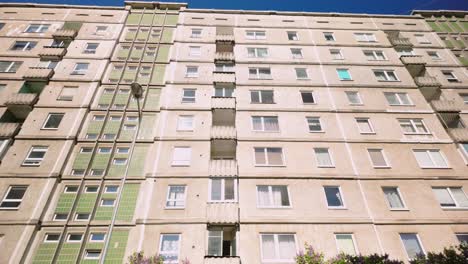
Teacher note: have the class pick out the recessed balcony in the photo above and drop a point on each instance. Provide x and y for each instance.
(8, 130)
(38, 74)
(224, 56)
(221, 260)
(52, 53)
(225, 38)
(445, 106)
(459, 134)
(223, 103)
(223, 132)
(224, 77)
(68, 34)
(400, 42)
(222, 213)
(223, 168)
(21, 104)
(414, 63)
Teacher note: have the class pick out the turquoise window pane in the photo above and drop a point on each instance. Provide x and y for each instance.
(343, 74)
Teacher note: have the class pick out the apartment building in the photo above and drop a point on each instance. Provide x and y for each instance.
(452, 28)
(256, 132)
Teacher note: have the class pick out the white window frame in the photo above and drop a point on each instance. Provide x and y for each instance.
(258, 75)
(334, 52)
(181, 163)
(365, 37)
(184, 199)
(305, 72)
(194, 51)
(89, 50)
(26, 47)
(51, 241)
(398, 96)
(77, 214)
(386, 74)
(119, 161)
(298, 54)
(74, 241)
(434, 55)
(343, 206)
(434, 166)
(77, 71)
(95, 240)
(276, 243)
(223, 190)
(255, 52)
(188, 99)
(419, 243)
(35, 161)
(189, 73)
(347, 71)
(331, 34)
(422, 39)
(47, 120)
(40, 28)
(453, 77)
(367, 119)
(309, 118)
(262, 122)
(85, 254)
(358, 97)
(352, 238)
(13, 200)
(65, 97)
(180, 122)
(111, 185)
(412, 123)
(196, 33)
(255, 34)
(13, 64)
(387, 163)
(260, 96)
(332, 165)
(292, 35)
(374, 55)
(271, 199)
(404, 208)
(162, 253)
(107, 199)
(449, 190)
(267, 163)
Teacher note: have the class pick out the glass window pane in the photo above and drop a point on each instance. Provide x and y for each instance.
(377, 157)
(444, 198)
(393, 197)
(229, 189)
(287, 247)
(268, 247)
(345, 243)
(412, 246)
(275, 156)
(333, 195)
(459, 196)
(216, 189)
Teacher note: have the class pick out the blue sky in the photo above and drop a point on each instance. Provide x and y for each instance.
(344, 6)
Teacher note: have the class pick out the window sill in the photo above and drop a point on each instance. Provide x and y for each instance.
(399, 209)
(326, 167)
(30, 165)
(388, 81)
(350, 80)
(455, 208)
(436, 168)
(180, 165)
(44, 128)
(276, 208)
(9, 209)
(174, 208)
(268, 166)
(382, 167)
(314, 132)
(337, 208)
(253, 79)
(402, 105)
(260, 131)
(368, 133)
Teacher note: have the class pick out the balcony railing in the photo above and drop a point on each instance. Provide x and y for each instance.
(223, 102)
(224, 77)
(426, 81)
(222, 260)
(8, 129)
(445, 106)
(222, 213)
(223, 132)
(22, 99)
(38, 74)
(224, 56)
(400, 42)
(459, 134)
(412, 60)
(52, 52)
(225, 38)
(65, 34)
(223, 168)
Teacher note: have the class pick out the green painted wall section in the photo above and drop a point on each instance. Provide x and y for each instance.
(167, 35)
(434, 26)
(128, 202)
(138, 161)
(128, 134)
(69, 253)
(117, 246)
(448, 43)
(130, 35)
(121, 98)
(112, 127)
(152, 99)
(106, 98)
(455, 26)
(100, 161)
(158, 74)
(92, 245)
(95, 127)
(465, 25)
(171, 20)
(65, 203)
(45, 253)
(86, 202)
(463, 60)
(147, 127)
(82, 160)
(163, 53)
(445, 27)
(122, 53)
(105, 212)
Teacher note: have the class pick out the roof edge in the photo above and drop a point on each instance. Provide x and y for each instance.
(12, 4)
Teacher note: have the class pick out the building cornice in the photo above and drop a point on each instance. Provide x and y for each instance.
(65, 6)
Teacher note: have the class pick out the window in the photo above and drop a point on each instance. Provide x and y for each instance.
(314, 124)
(430, 158)
(353, 98)
(397, 98)
(185, 123)
(413, 126)
(464, 149)
(91, 189)
(224, 67)
(67, 93)
(92, 254)
(223, 190)
(194, 51)
(196, 33)
(328, 36)
(451, 197)
(80, 69)
(90, 48)
(37, 28)
(345, 243)
(292, 35)
(107, 202)
(111, 189)
(175, 196)
(48, 64)
(411, 244)
(323, 158)
(253, 34)
(104, 150)
(35, 156)
(307, 97)
(53, 121)
(259, 73)
(364, 125)
(450, 76)
(405, 52)
(334, 197)
(224, 92)
(365, 37)
(374, 55)
(188, 96)
(97, 172)
(301, 73)
(82, 217)
(268, 156)
(392, 194)
(257, 52)
(344, 75)
(23, 45)
(181, 156)
(272, 196)
(385, 75)
(421, 39)
(296, 53)
(265, 123)
(434, 55)
(464, 96)
(169, 247)
(60, 217)
(97, 237)
(2, 87)
(377, 158)
(13, 197)
(278, 247)
(9, 66)
(101, 29)
(261, 97)
(71, 189)
(51, 238)
(119, 161)
(336, 54)
(129, 127)
(462, 238)
(191, 71)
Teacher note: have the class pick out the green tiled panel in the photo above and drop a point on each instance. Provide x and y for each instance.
(45, 253)
(104, 212)
(92, 246)
(89, 261)
(455, 26)
(105, 98)
(463, 60)
(128, 202)
(163, 53)
(121, 98)
(100, 161)
(95, 126)
(130, 35)
(86, 202)
(136, 54)
(434, 26)
(167, 35)
(127, 134)
(116, 170)
(69, 253)
(158, 20)
(146, 130)
(171, 20)
(117, 245)
(65, 203)
(112, 127)
(82, 160)
(158, 74)
(445, 27)
(448, 43)
(115, 74)
(459, 44)
(465, 25)
(129, 75)
(122, 53)
(147, 19)
(152, 99)
(133, 19)
(142, 36)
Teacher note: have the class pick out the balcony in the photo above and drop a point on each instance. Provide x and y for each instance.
(222, 213)
(445, 106)
(225, 38)
(223, 168)
(224, 77)
(52, 53)
(221, 260)
(8, 130)
(224, 56)
(400, 42)
(21, 104)
(38, 74)
(68, 34)
(223, 132)
(414, 64)
(459, 134)
(427, 81)
(223, 103)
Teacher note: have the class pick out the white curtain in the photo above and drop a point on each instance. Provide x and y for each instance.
(443, 197)
(229, 189)
(260, 156)
(275, 156)
(345, 243)
(268, 247)
(460, 197)
(393, 197)
(392, 98)
(287, 246)
(263, 197)
(411, 245)
(271, 123)
(377, 157)
(216, 189)
(170, 247)
(437, 158)
(257, 123)
(323, 157)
